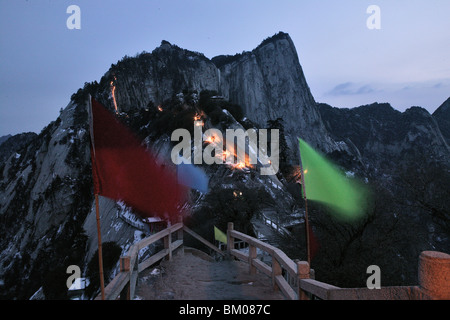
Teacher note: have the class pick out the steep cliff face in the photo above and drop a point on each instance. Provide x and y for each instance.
(269, 83)
(159, 75)
(44, 195)
(442, 116)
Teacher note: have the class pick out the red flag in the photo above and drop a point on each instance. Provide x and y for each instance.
(123, 169)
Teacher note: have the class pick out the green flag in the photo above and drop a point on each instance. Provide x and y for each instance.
(328, 185)
(219, 235)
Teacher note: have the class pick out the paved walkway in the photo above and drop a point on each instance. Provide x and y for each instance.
(193, 275)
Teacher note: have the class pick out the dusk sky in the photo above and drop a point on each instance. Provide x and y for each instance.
(346, 64)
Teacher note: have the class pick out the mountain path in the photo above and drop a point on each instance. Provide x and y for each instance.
(193, 275)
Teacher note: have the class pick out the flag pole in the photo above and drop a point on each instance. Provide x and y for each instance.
(100, 255)
(97, 206)
(308, 251)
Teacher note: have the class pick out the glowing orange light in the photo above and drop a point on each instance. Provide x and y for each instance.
(199, 116)
(160, 109)
(240, 165)
(211, 139)
(226, 154)
(237, 193)
(113, 93)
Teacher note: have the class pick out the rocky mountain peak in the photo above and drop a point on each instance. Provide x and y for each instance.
(269, 83)
(165, 44)
(276, 37)
(442, 116)
(4, 138)
(443, 110)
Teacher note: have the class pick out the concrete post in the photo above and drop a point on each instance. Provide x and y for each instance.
(303, 272)
(434, 274)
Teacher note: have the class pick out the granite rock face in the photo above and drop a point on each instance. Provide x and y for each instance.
(269, 83)
(442, 116)
(43, 192)
(159, 75)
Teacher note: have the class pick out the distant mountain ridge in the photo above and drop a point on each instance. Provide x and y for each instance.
(4, 138)
(387, 136)
(9, 144)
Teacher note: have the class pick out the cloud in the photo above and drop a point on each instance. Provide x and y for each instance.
(365, 89)
(350, 88)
